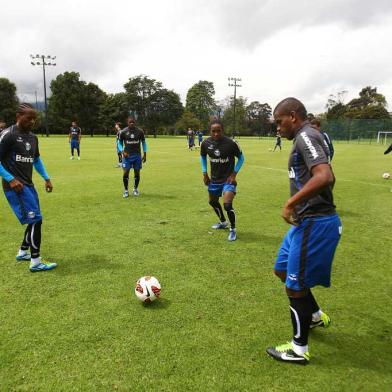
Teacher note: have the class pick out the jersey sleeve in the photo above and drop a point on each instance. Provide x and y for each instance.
(203, 149)
(236, 149)
(6, 141)
(142, 137)
(311, 149)
(37, 154)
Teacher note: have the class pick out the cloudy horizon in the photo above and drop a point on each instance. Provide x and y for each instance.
(309, 50)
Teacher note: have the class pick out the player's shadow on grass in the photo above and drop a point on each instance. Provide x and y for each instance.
(364, 351)
(160, 304)
(87, 264)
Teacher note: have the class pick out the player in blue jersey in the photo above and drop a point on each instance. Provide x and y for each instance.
(199, 137)
(19, 153)
(74, 136)
(316, 124)
(191, 139)
(307, 251)
(278, 142)
(117, 127)
(130, 140)
(221, 152)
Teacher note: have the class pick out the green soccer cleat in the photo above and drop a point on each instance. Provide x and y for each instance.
(285, 353)
(42, 266)
(324, 321)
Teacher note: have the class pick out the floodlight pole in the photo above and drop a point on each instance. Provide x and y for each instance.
(233, 83)
(39, 59)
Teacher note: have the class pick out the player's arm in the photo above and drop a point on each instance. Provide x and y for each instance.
(240, 160)
(41, 170)
(79, 135)
(203, 162)
(144, 145)
(69, 136)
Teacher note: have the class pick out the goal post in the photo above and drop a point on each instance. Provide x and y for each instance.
(382, 136)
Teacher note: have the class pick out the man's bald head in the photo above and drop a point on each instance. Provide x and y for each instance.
(290, 105)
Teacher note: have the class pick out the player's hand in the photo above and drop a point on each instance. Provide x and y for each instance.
(16, 185)
(144, 159)
(48, 186)
(206, 179)
(125, 154)
(288, 215)
(232, 179)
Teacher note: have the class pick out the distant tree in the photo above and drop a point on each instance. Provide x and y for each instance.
(240, 116)
(200, 101)
(259, 117)
(188, 120)
(114, 108)
(8, 101)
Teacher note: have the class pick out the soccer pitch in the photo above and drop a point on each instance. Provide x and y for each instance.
(80, 326)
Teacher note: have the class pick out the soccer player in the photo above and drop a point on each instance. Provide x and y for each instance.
(117, 127)
(305, 256)
(200, 137)
(316, 124)
(221, 151)
(128, 144)
(191, 139)
(75, 134)
(19, 152)
(278, 142)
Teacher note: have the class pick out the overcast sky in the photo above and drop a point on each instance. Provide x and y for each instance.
(303, 48)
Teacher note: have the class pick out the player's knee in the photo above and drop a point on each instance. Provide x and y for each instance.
(280, 274)
(228, 206)
(296, 293)
(214, 203)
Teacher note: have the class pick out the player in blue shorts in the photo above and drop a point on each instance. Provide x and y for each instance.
(306, 254)
(74, 136)
(221, 151)
(19, 153)
(128, 144)
(199, 137)
(191, 139)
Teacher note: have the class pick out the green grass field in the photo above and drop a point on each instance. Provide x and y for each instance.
(81, 328)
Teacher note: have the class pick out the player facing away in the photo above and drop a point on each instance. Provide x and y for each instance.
(200, 137)
(306, 253)
(191, 139)
(221, 151)
(316, 124)
(19, 153)
(74, 136)
(117, 127)
(278, 142)
(128, 144)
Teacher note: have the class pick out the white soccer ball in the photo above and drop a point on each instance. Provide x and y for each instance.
(386, 176)
(147, 289)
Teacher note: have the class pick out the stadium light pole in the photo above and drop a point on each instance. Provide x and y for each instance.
(233, 83)
(41, 59)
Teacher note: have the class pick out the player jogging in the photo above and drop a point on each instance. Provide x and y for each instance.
(19, 152)
(117, 127)
(316, 124)
(74, 136)
(278, 142)
(221, 151)
(200, 137)
(305, 256)
(128, 144)
(191, 139)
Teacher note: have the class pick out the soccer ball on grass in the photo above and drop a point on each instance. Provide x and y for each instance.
(386, 176)
(147, 289)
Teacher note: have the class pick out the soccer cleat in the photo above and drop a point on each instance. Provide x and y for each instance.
(71, 158)
(324, 321)
(285, 353)
(220, 225)
(232, 235)
(42, 266)
(25, 257)
(125, 194)
(135, 192)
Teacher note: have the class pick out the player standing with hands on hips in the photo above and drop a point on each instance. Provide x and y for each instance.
(75, 134)
(128, 144)
(306, 254)
(221, 151)
(19, 152)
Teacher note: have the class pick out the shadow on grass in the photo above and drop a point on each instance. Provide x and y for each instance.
(367, 352)
(89, 264)
(162, 303)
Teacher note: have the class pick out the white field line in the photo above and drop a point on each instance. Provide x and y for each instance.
(338, 179)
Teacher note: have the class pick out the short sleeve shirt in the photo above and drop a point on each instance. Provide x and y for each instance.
(75, 132)
(309, 150)
(18, 151)
(221, 154)
(131, 139)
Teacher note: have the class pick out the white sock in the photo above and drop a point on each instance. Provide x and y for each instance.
(299, 350)
(35, 261)
(316, 316)
(22, 252)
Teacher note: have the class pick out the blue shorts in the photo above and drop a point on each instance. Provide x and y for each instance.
(74, 144)
(133, 161)
(25, 205)
(217, 189)
(307, 252)
(191, 142)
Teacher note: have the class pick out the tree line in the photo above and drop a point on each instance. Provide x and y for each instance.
(160, 111)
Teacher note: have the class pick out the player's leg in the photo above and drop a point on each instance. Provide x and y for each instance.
(136, 181)
(213, 195)
(228, 197)
(23, 253)
(125, 178)
(78, 150)
(72, 150)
